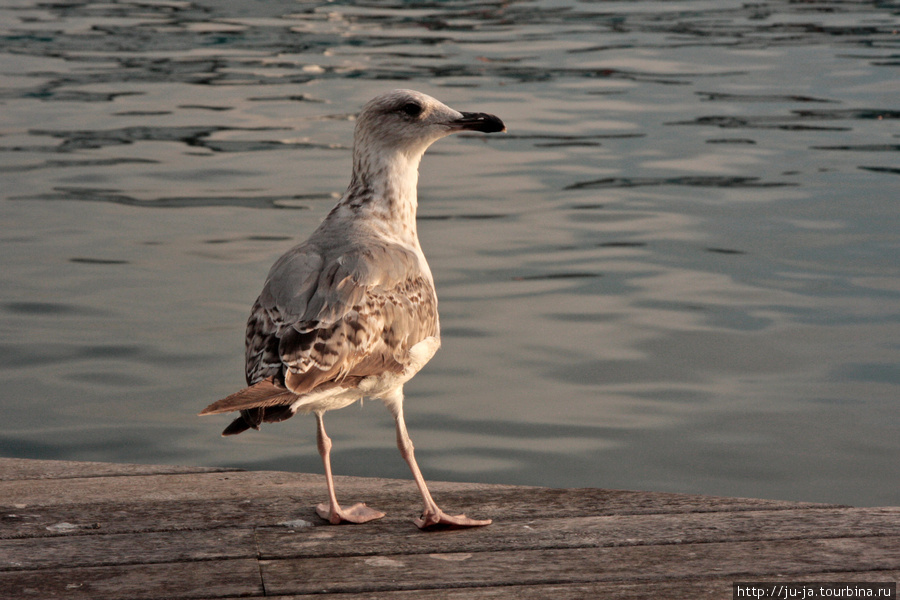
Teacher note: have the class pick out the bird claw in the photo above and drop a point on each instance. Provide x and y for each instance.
(358, 513)
(433, 519)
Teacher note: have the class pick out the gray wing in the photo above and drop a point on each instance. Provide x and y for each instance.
(321, 319)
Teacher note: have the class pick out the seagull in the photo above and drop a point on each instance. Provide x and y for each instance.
(351, 313)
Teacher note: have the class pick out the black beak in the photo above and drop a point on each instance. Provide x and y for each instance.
(482, 122)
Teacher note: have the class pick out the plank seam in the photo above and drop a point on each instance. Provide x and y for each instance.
(259, 567)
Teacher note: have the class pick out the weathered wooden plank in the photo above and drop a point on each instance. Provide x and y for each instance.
(619, 574)
(312, 538)
(244, 484)
(747, 560)
(168, 486)
(179, 501)
(666, 589)
(123, 549)
(22, 468)
(138, 515)
(134, 532)
(141, 517)
(581, 532)
(214, 579)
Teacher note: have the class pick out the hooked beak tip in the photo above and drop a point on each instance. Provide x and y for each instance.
(482, 122)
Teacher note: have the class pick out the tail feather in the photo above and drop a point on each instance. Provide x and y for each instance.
(262, 394)
(237, 426)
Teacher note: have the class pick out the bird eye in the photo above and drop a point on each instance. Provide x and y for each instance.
(411, 109)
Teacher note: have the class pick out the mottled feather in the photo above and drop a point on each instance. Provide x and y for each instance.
(326, 320)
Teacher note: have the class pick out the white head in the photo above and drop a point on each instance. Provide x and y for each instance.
(406, 122)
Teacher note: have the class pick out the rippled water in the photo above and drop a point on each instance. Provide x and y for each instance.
(678, 271)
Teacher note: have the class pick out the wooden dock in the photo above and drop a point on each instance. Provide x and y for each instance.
(102, 531)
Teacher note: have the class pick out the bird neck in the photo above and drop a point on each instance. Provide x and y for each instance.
(383, 191)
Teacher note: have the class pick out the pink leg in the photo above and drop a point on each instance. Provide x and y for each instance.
(432, 515)
(332, 512)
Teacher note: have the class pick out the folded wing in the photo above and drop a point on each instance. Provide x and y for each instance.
(323, 322)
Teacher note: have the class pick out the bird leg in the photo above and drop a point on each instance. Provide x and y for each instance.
(332, 512)
(432, 515)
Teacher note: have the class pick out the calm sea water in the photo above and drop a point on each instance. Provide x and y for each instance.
(678, 271)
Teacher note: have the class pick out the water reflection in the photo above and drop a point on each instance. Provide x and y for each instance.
(676, 272)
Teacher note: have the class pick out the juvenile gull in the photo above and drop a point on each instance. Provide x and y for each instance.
(352, 312)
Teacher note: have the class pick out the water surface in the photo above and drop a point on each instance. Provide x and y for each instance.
(678, 271)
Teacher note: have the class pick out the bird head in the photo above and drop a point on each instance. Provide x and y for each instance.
(407, 122)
